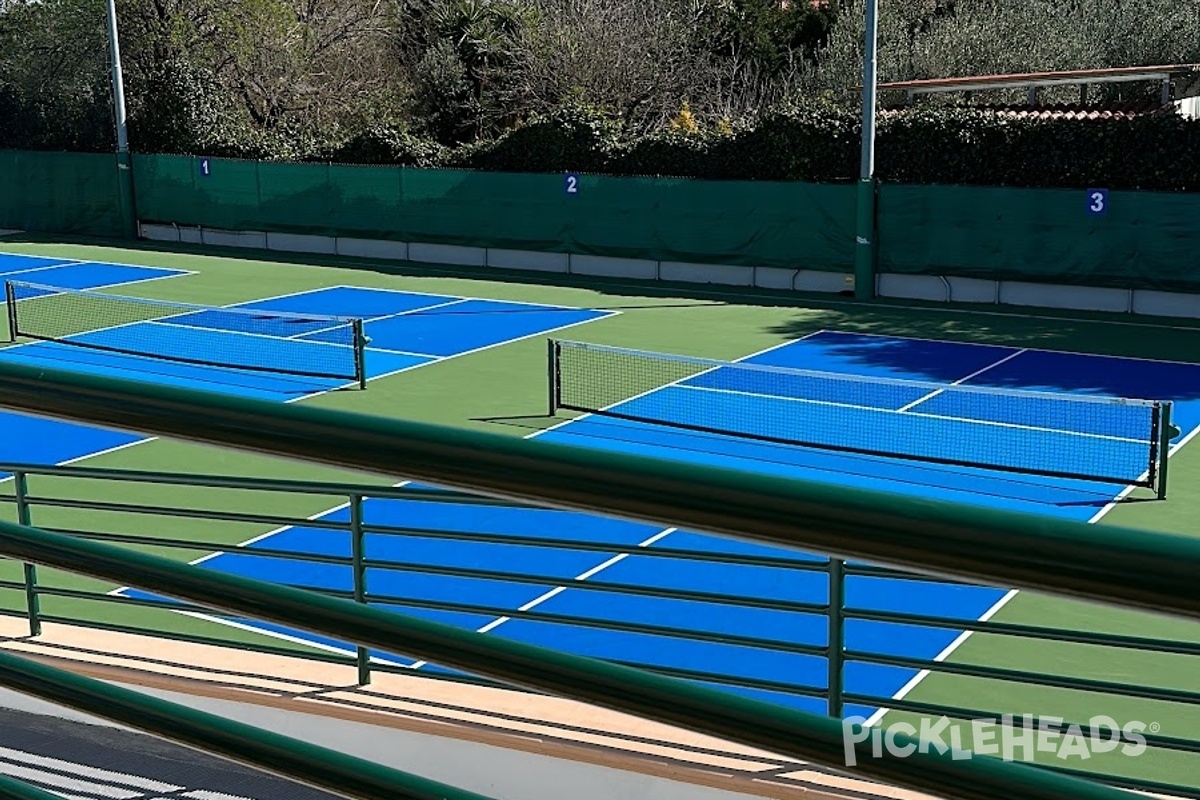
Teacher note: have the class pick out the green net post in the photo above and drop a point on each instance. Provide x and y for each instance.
(360, 353)
(10, 300)
(1167, 433)
(554, 376)
(362, 655)
(837, 638)
(32, 605)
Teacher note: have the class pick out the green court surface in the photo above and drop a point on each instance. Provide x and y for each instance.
(502, 390)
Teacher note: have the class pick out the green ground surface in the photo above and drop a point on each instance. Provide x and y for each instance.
(502, 390)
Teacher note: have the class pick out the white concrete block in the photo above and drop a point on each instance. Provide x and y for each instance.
(808, 280)
(301, 243)
(725, 274)
(912, 287)
(447, 254)
(608, 267)
(528, 259)
(219, 238)
(774, 277)
(1166, 304)
(158, 233)
(371, 248)
(191, 235)
(972, 290)
(1076, 298)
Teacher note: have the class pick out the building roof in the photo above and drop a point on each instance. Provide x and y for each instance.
(1108, 111)
(1040, 79)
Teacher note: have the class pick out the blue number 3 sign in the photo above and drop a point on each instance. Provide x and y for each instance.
(1097, 202)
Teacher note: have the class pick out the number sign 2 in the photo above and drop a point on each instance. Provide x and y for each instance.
(571, 183)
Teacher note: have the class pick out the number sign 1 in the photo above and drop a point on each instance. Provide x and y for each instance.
(572, 183)
(205, 168)
(1097, 202)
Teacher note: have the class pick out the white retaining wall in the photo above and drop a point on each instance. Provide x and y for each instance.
(912, 287)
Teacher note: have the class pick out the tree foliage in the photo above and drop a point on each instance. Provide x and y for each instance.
(712, 88)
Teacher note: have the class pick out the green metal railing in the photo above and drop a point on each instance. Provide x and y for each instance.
(1110, 565)
(60, 487)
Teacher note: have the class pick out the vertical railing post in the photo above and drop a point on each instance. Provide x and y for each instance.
(358, 557)
(32, 604)
(837, 635)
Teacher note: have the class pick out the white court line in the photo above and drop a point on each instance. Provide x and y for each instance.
(960, 381)
(676, 382)
(166, 322)
(903, 692)
(922, 414)
(583, 576)
(261, 537)
(660, 535)
(463, 297)
(1042, 349)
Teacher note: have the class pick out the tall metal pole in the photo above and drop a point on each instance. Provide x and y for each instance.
(124, 161)
(864, 251)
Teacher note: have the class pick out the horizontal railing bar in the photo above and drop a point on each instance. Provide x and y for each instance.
(332, 489)
(1173, 743)
(299, 651)
(749, 683)
(873, 571)
(294, 759)
(657, 551)
(804, 565)
(1107, 563)
(599, 585)
(206, 547)
(1036, 678)
(189, 513)
(1141, 785)
(666, 631)
(805, 736)
(13, 789)
(1064, 635)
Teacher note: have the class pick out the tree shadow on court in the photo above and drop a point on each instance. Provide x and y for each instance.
(1070, 355)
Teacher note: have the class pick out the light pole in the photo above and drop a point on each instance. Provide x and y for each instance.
(124, 161)
(864, 234)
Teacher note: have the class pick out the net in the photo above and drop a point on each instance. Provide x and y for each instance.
(1081, 437)
(234, 338)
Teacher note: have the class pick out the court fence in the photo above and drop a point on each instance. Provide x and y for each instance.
(110, 543)
(1095, 238)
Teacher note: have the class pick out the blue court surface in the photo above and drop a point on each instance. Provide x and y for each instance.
(586, 585)
(405, 330)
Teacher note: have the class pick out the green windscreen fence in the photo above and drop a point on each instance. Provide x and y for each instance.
(788, 225)
(60, 192)
(1141, 240)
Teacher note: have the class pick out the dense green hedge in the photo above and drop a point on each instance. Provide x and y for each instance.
(822, 144)
(813, 143)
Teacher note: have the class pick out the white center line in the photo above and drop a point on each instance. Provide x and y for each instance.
(961, 381)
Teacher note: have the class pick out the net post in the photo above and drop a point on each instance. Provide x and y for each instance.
(1167, 431)
(10, 298)
(554, 376)
(360, 352)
